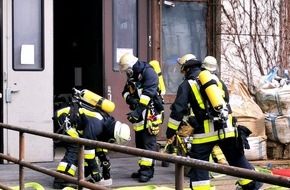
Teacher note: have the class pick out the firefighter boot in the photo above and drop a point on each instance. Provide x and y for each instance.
(60, 184)
(146, 173)
(254, 185)
(106, 173)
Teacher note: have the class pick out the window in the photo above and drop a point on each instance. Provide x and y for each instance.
(183, 32)
(124, 29)
(27, 35)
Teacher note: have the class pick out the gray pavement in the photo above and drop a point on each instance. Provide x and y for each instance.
(122, 168)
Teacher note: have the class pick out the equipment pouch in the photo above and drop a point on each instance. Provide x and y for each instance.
(153, 127)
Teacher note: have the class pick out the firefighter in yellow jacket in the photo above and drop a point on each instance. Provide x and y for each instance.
(78, 120)
(141, 93)
(212, 122)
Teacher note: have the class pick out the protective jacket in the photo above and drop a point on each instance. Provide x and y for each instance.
(207, 126)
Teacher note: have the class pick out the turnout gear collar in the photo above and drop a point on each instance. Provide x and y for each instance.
(192, 73)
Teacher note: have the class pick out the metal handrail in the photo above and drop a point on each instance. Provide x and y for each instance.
(179, 161)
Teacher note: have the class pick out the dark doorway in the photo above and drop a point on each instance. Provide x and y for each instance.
(77, 48)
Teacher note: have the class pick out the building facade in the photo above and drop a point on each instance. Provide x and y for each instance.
(50, 46)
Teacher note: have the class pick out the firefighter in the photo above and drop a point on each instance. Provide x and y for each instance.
(212, 123)
(77, 121)
(142, 95)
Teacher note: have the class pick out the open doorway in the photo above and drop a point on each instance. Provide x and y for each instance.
(77, 47)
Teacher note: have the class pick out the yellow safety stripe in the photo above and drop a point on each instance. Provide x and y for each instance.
(201, 185)
(144, 99)
(244, 181)
(90, 113)
(159, 119)
(140, 126)
(89, 154)
(145, 161)
(206, 125)
(81, 132)
(62, 111)
(195, 89)
(215, 137)
(101, 150)
(173, 124)
(61, 167)
(69, 188)
(72, 132)
(72, 170)
(30, 185)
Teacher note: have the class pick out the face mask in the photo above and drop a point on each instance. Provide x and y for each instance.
(129, 72)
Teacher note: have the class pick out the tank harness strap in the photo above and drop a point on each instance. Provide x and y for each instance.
(73, 112)
(211, 82)
(100, 101)
(223, 128)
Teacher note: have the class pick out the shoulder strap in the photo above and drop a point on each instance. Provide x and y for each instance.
(73, 113)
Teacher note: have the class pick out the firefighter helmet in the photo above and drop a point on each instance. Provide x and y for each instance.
(186, 58)
(122, 133)
(188, 61)
(209, 63)
(127, 61)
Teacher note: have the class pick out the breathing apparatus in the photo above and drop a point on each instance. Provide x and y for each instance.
(157, 69)
(214, 94)
(94, 100)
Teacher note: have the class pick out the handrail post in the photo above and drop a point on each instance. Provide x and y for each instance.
(21, 157)
(80, 164)
(179, 176)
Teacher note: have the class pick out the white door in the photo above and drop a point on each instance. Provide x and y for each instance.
(28, 76)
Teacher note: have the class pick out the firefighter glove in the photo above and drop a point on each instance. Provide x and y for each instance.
(132, 102)
(136, 115)
(244, 132)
